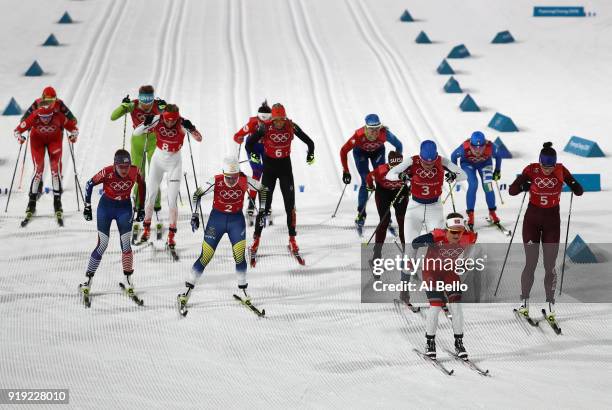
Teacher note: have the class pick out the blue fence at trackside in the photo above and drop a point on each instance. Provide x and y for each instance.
(539, 11)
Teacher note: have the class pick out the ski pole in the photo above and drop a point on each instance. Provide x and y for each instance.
(188, 193)
(339, 200)
(13, 179)
(449, 193)
(77, 185)
(195, 177)
(501, 199)
(450, 187)
(386, 213)
(569, 217)
(124, 126)
(510, 244)
(23, 163)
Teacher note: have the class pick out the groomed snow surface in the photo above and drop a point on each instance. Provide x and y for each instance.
(330, 63)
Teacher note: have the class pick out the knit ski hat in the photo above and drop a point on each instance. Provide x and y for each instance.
(429, 151)
(278, 111)
(122, 157)
(455, 220)
(477, 139)
(394, 158)
(548, 155)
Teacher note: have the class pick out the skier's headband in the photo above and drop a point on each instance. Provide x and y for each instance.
(264, 116)
(455, 223)
(170, 116)
(548, 160)
(373, 126)
(146, 98)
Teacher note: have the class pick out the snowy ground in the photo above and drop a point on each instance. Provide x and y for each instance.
(330, 63)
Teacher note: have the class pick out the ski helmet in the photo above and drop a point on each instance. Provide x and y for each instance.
(477, 139)
(429, 151)
(394, 158)
(278, 111)
(122, 157)
(264, 113)
(372, 121)
(548, 155)
(49, 93)
(455, 220)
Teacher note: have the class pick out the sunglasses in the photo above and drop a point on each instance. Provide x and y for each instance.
(146, 98)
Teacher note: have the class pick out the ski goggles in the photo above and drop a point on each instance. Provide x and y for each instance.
(146, 98)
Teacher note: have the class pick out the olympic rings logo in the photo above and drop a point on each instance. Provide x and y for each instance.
(546, 182)
(230, 194)
(165, 132)
(121, 185)
(46, 129)
(371, 146)
(279, 137)
(426, 174)
(450, 252)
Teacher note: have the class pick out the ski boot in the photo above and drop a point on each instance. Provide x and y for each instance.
(359, 223)
(30, 210)
(183, 298)
(85, 289)
(295, 250)
(470, 214)
(459, 348)
(170, 241)
(146, 232)
(57, 207)
(493, 216)
(523, 310)
(430, 348)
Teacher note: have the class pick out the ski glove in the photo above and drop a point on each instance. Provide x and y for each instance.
(575, 187)
(346, 178)
(195, 221)
(404, 177)
(496, 175)
(87, 212)
(148, 119)
(310, 159)
(140, 215)
(525, 186)
(255, 158)
(20, 138)
(126, 100)
(370, 188)
(450, 176)
(188, 125)
(73, 135)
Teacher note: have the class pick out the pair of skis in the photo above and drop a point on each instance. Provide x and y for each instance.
(536, 322)
(59, 217)
(86, 296)
(182, 308)
(158, 235)
(449, 372)
(296, 254)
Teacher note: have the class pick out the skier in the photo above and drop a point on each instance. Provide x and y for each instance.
(226, 217)
(542, 223)
(255, 157)
(169, 128)
(475, 156)
(368, 145)
(276, 137)
(426, 172)
(444, 244)
(385, 192)
(46, 125)
(115, 204)
(49, 97)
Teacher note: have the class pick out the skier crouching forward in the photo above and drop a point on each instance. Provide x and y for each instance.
(118, 180)
(226, 216)
(444, 245)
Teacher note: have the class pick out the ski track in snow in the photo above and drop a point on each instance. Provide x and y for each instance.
(318, 346)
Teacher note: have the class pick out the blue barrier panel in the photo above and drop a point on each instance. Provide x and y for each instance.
(579, 252)
(12, 108)
(65, 19)
(459, 51)
(51, 41)
(583, 147)
(422, 38)
(503, 37)
(35, 70)
(502, 150)
(445, 68)
(468, 104)
(502, 123)
(590, 182)
(406, 17)
(539, 11)
(452, 86)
